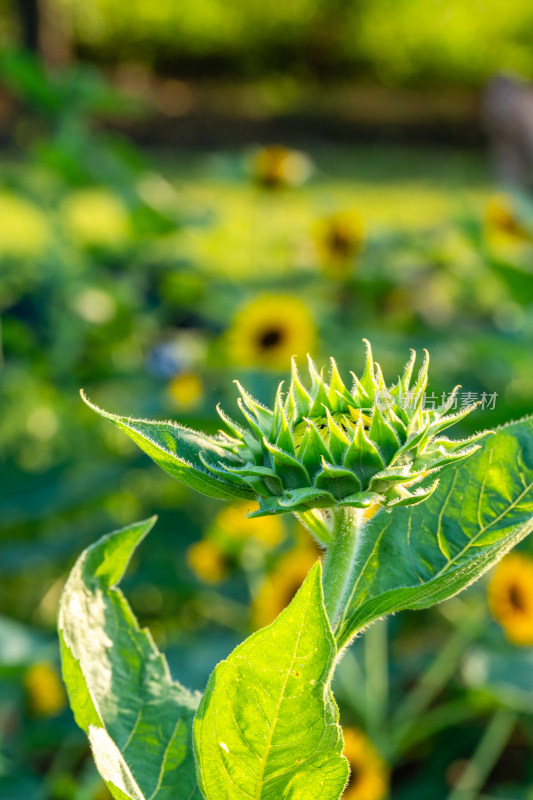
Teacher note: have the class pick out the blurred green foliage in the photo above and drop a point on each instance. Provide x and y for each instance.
(410, 42)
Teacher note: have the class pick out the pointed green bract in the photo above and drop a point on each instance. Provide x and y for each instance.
(139, 721)
(419, 556)
(383, 435)
(267, 726)
(178, 450)
(339, 482)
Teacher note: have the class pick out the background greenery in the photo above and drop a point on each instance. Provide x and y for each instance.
(408, 42)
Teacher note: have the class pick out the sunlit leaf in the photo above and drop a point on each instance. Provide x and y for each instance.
(138, 719)
(177, 451)
(416, 557)
(267, 726)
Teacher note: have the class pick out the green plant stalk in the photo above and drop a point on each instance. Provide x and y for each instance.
(487, 753)
(376, 677)
(352, 679)
(437, 719)
(340, 560)
(442, 668)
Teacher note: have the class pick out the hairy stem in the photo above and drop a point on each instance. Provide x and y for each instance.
(317, 524)
(340, 560)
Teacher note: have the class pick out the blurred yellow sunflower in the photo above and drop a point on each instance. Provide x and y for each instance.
(510, 595)
(339, 240)
(233, 526)
(186, 389)
(282, 584)
(276, 166)
(369, 775)
(96, 218)
(231, 534)
(44, 691)
(208, 561)
(24, 229)
(503, 226)
(269, 330)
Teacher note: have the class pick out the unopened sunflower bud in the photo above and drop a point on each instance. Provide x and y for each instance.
(323, 445)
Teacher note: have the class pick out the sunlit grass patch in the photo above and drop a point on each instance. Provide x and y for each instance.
(24, 227)
(96, 218)
(251, 231)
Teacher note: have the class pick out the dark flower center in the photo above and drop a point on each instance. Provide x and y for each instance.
(291, 590)
(340, 242)
(355, 774)
(270, 338)
(516, 598)
(507, 223)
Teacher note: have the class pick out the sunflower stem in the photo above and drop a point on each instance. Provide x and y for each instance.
(488, 752)
(339, 561)
(315, 522)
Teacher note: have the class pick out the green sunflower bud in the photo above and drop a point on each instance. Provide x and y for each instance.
(321, 445)
(324, 445)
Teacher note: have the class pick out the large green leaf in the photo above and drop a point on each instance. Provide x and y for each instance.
(267, 726)
(138, 719)
(177, 451)
(416, 557)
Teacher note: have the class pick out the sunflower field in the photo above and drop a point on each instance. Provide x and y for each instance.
(162, 278)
